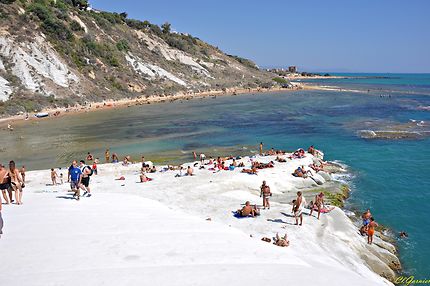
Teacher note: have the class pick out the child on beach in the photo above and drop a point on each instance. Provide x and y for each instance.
(371, 230)
(54, 177)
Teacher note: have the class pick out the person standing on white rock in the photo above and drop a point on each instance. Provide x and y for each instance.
(298, 208)
(265, 193)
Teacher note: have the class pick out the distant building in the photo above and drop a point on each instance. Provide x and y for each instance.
(292, 69)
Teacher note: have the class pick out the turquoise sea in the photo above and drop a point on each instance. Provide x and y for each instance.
(391, 177)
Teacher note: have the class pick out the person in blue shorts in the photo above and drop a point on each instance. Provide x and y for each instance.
(75, 177)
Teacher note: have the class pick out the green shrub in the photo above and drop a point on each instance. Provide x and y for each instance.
(57, 29)
(103, 51)
(75, 26)
(166, 28)
(280, 80)
(244, 61)
(113, 18)
(122, 45)
(136, 24)
(40, 10)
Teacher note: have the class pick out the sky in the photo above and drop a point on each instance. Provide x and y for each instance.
(325, 36)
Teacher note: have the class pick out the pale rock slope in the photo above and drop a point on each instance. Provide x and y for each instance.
(131, 233)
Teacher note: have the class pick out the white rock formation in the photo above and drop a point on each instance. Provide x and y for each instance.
(34, 63)
(151, 71)
(173, 54)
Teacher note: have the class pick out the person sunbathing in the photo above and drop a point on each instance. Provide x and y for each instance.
(144, 178)
(252, 171)
(316, 168)
(307, 172)
(248, 210)
(299, 173)
(280, 160)
(281, 241)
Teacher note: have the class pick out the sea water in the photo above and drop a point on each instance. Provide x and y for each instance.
(391, 177)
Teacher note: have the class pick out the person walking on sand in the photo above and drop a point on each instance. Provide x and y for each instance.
(371, 230)
(298, 207)
(54, 177)
(87, 171)
(265, 193)
(16, 182)
(75, 177)
(107, 155)
(261, 148)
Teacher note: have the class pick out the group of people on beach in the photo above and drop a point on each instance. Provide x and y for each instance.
(78, 175)
(368, 227)
(12, 180)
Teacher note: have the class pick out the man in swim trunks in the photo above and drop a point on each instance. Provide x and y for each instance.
(5, 185)
(298, 206)
(371, 230)
(265, 193)
(261, 148)
(85, 181)
(318, 204)
(248, 210)
(75, 177)
(16, 182)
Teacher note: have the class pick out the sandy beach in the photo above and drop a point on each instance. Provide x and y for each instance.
(111, 104)
(130, 232)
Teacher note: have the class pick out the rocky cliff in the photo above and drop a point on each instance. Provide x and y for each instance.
(57, 53)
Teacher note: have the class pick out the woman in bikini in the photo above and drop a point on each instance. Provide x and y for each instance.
(318, 204)
(16, 182)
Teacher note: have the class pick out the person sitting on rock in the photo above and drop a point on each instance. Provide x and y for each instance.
(190, 171)
(248, 210)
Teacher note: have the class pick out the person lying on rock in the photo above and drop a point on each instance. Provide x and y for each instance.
(281, 241)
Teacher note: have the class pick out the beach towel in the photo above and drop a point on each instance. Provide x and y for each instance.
(324, 210)
(237, 215)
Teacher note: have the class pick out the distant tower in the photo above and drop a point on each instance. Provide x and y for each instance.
(292, 69)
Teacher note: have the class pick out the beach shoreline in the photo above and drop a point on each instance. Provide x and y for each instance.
(128, 102)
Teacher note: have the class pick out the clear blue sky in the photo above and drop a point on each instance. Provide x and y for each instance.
(315, 35)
